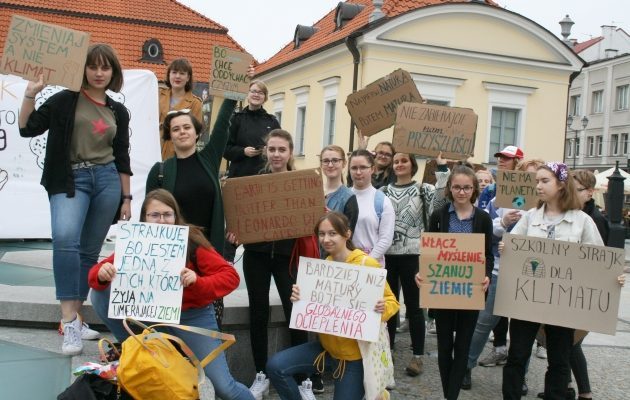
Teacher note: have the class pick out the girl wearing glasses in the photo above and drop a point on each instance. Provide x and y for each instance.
(338, 197)
(248, 130)
(558, 216)
(455, 327)
(339, 355)
(383, 157)
(178, 95)
(263, 260)
(206, 276)
(86, 174)
(375, 225)
(413, 204)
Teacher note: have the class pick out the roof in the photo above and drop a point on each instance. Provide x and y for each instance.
(126, 25)
(579, 47)
(326, 35)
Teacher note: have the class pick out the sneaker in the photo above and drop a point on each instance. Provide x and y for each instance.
(318, 383)
(431, 327)
(467, 382)
(306, 390)
(260, 387)
(415, 366)
(494, 358)
(86, 332)
(491, 337)
(524, 388)
(541, 352)
(404, 326)
(72, 344)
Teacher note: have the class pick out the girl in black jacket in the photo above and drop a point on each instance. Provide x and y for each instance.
(459, 216)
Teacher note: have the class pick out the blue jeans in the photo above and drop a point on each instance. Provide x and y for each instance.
(485, 324)
(225, 386)
(283, 365)
(79, 226)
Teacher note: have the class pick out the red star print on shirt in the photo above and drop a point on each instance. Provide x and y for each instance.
(99, 127)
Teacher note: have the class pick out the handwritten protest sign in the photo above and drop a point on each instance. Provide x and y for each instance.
(228, 77)
(34, 48)
(149, 259)
(452, 267)
(427, 129)
(374, 108)
(338, 299)
(275, 206)
(560, 283)
(516, 189)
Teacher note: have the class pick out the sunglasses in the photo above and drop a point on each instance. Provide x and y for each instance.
(182, 111)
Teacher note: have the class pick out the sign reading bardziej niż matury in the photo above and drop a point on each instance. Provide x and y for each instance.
(149, 260)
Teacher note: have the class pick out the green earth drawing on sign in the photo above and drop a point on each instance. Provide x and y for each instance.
(534, 267)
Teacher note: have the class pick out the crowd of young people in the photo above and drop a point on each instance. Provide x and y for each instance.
(375, 221)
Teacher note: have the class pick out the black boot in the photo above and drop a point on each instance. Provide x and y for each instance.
(467, 382)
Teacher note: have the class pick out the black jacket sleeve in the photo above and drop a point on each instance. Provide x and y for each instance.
(351, 210)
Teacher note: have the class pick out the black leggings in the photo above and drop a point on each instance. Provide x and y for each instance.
(580, 368)
(401, 271)
(500, 331)
(258, 268)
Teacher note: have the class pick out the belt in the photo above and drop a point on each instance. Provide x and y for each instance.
(82, 164)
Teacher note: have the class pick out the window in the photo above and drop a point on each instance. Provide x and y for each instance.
(590, 148)
(437, 102)
(622, 97)
(503, 131)
(439, 90)
(614, 144)
(574, 105)
(299, 131)
(624, 143)
(278, 105)
(577, 147)
(278, 115)
(599, 142)
(329, 122)
(568, 148)
(598, 102)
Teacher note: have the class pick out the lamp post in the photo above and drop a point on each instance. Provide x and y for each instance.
(574, 140)
(584, 124)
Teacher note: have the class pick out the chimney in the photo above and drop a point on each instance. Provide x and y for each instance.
(607, 30)
(377, 13)
(610, 53)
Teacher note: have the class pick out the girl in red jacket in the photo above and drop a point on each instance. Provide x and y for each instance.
(206, 277)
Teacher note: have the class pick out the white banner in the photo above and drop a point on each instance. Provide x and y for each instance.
(149, 259)
(338, 299)
(24, 208)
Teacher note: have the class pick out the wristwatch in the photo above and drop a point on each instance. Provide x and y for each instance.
(127, 197)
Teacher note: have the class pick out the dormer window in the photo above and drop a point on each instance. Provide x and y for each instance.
(345, 12)
(152, 51)
(302, 32)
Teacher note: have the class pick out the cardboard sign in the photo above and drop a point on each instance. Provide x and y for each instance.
(269, 207)
(560, 283)
(516, 189)
(338, 299)
(427, 129)
(149, 259)
(374, 108)
(228, 75)
(34, 48)
(452, 267)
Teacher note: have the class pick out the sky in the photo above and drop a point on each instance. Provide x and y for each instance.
(264, 27)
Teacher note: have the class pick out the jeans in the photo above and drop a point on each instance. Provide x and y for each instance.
(258, 267)
(559, 344)
(580, 368)
(283, 365)
(401, 271)
(485, 323)
(453, 353)
(225, 386)
(79, 226)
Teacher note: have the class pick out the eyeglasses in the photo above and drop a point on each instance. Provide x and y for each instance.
(465, 189)
(258, 92)
(331, 161)
(361, 168)
(182, 111)
(156, 216)
(384, 154)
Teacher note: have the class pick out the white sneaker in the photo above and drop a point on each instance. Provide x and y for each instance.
(541, 352)
(431, 327)
(86, 332)
(306, 390)
(260, 387)
(404, 326)
(72, 344)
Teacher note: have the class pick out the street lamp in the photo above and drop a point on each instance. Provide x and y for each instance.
(575, 139)
(584, 124)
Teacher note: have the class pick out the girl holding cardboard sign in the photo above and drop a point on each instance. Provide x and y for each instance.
(340, 354)
(558, 216)
(86, 174)
(206, 276)
(459, 216)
